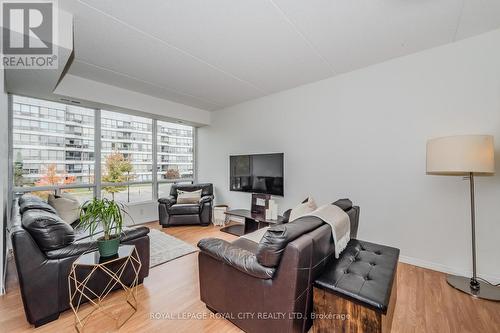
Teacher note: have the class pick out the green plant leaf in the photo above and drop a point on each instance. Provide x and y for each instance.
(104, 212)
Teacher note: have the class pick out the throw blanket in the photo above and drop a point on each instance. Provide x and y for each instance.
(340, 223)
(256, 236)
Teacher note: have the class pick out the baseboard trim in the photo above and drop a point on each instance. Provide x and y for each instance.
(446, 269)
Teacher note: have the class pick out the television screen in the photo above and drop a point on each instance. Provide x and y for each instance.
(259, 173)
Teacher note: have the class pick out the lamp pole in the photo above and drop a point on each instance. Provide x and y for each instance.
(465, 155)
(474, 284)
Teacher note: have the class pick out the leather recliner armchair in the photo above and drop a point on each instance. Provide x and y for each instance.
(171, 213)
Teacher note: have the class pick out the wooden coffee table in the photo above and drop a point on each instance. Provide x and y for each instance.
(252, 222)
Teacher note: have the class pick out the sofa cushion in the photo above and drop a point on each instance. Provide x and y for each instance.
(246, 244)
(30, 201)
(48, 230)
(275, 240)
(185, 209)
(67, 207)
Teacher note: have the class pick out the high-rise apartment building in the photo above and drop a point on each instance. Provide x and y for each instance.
(52, 135)
(55, 141)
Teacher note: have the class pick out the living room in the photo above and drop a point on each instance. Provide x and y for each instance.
(253, 166)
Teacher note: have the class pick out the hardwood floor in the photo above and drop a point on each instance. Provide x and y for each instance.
(425, 302)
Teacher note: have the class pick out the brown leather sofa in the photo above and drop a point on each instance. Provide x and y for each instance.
(44, 249)
(267, 287)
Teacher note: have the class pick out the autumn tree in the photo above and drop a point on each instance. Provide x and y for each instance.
(52, 178)
(69, 179)
(172, 174)
(118, 170)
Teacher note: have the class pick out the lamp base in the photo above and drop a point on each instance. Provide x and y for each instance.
(482, 290)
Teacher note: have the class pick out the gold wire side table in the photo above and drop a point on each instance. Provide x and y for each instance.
(89, 267)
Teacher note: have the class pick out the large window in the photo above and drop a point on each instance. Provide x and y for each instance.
(54, 149)
(127, 156)
(53, 144)
(175, 151)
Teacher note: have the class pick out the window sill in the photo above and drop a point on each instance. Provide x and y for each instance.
(139, 203)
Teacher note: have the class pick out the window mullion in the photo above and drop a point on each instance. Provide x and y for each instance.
(195, 162)
(154, 152)
(11, 155)
(97, 153)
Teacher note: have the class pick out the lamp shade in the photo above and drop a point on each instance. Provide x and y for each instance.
(461, 154)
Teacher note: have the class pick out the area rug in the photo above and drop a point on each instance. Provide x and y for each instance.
(164, 248)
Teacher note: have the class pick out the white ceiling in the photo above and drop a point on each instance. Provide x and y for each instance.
(217, 53)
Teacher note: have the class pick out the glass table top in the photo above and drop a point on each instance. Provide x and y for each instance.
(93, 258)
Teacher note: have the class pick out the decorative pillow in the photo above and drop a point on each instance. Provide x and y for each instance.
(306, 207)
(30, 201)
(67, 207)
(344, 204)
(185, 197)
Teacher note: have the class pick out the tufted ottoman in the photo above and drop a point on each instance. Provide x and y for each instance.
(357, 292)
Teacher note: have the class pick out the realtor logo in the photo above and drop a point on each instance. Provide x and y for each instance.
(28, 31)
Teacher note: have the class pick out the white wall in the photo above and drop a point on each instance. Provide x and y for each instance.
(362, 135)
(104, 95)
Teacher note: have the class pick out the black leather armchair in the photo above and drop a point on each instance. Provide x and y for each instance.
(171, 213)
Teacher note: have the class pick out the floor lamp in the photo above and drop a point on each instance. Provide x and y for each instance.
(467, 155)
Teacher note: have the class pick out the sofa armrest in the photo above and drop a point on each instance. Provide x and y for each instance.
(242, 260)
(286, 216)
(38, 277)
(79, 248)
(169, 201)
(133, 233)
(206, 199)
(72, 250)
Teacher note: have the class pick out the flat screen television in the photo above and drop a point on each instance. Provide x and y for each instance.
(257, 173)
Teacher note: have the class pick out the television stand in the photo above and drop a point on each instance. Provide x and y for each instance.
(252, 222)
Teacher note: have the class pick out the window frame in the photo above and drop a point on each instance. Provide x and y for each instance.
(97, 185)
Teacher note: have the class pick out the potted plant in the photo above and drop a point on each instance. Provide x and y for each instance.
(109, 214)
